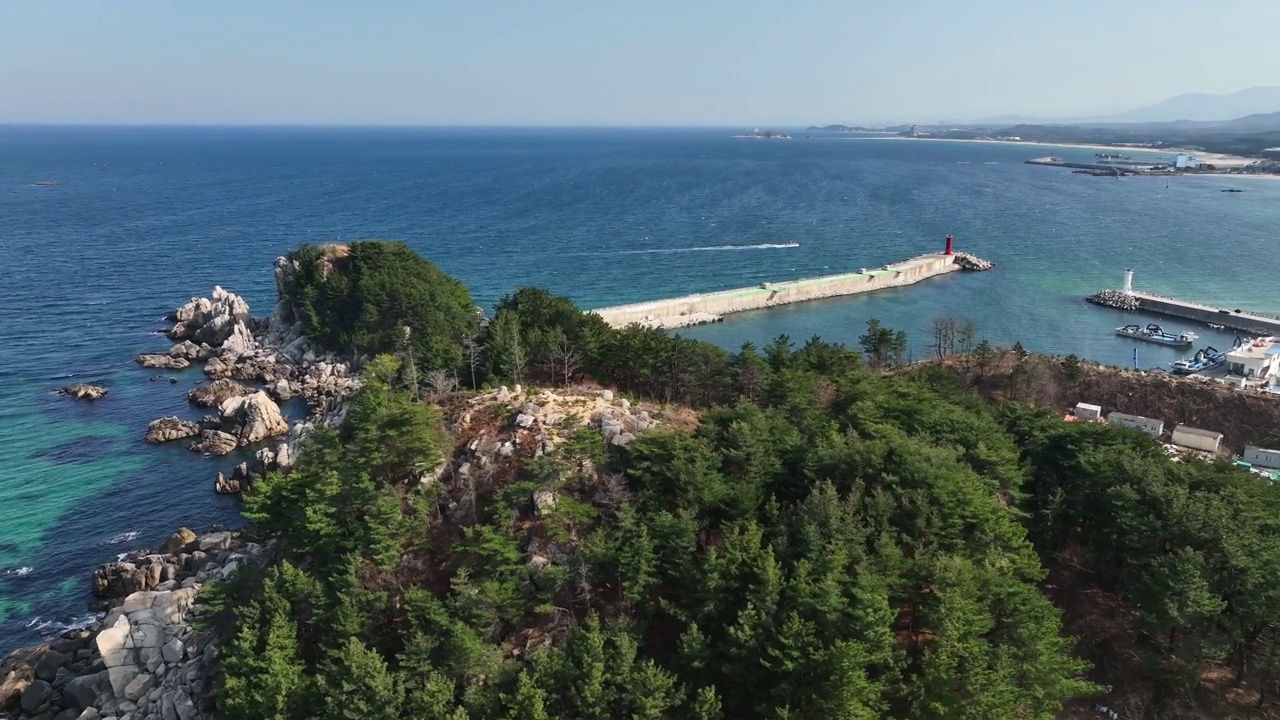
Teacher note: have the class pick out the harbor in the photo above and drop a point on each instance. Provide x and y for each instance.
(690, 310)
(1130, 300)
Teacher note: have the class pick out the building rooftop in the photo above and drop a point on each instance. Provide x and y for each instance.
(1127, 416)
(1256, 350)
(1197, 431)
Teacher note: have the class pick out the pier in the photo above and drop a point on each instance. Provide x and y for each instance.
(703, 308)
(1130, 300)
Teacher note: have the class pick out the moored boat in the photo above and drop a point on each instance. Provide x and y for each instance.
(1206, 359)
(1156, 334)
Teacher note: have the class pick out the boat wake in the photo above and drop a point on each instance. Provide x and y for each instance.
(23, 571)
(710, 248)
(57, 627)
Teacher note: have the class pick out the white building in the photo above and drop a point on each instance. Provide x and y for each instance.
(1182, 161)
(1196, 439)
(1257, 359)
(1261, 456)
(1150, 426)
(1085, 411)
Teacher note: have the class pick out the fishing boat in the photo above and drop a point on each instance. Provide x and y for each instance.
(1156, 334)
(48, 183)
(1205, 359)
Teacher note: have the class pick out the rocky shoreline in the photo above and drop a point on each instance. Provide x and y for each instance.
(253, 364)
(148, 658)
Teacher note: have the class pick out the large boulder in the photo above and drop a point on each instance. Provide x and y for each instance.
(177, 541)
(191, 351)
(81, 391)
(171, 428)
(240, 341)
(253, 418)
(216, 331)
(215, 442)
(166, 362)
(210, 320)
(36, 695)
(220, 367)
(217, 392)
(82, 691)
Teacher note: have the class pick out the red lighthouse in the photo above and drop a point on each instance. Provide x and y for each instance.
(948, 252)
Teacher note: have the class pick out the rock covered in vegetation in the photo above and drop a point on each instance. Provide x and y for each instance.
(167, 429)
(81, 391)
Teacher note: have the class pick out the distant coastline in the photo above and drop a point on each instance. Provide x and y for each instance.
(765, 135)
(1218, 159)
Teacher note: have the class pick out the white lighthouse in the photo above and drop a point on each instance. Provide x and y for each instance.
(1128, 281)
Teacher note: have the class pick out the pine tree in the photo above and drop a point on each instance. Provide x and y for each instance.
(356, 685)
(261, 671)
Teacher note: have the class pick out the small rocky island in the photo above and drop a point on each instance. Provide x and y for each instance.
(765, 135)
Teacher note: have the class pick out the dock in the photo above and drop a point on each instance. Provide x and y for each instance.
(1130, 300)
(690, 310)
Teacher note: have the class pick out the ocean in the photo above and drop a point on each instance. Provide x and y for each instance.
(147, 217)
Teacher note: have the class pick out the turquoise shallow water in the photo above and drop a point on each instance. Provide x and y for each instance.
(147, 217)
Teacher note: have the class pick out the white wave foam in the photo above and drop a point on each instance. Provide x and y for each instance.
(23, 571)
(57, 627)
(710, 248)
(124, 537)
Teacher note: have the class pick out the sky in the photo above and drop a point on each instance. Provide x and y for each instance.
(609, 62)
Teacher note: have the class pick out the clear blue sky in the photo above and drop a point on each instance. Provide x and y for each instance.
(607, 62)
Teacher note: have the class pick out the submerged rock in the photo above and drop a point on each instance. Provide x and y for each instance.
(81, 391)
(167, 429)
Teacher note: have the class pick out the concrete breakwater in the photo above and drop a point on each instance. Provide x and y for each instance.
(703, 308)
(1173, 307)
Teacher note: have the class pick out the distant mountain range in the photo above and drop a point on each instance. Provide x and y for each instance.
(1205, 107)
(1255, 102)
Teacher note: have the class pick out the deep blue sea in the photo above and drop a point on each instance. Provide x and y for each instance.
(147, 217)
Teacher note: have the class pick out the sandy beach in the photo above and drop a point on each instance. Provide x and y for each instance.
(1211, 158)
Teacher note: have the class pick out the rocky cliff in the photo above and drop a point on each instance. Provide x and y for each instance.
(147, 659)
(253, 364)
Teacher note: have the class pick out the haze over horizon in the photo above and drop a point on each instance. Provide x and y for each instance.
(581, 63)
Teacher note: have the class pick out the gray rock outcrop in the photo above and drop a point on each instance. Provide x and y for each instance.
(81, 391)
(210, 320)
(166, 362)
(167, 429)
(215, 442)
(253, 418)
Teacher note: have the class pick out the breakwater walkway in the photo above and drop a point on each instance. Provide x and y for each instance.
(1132, 300)
(703, 308)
